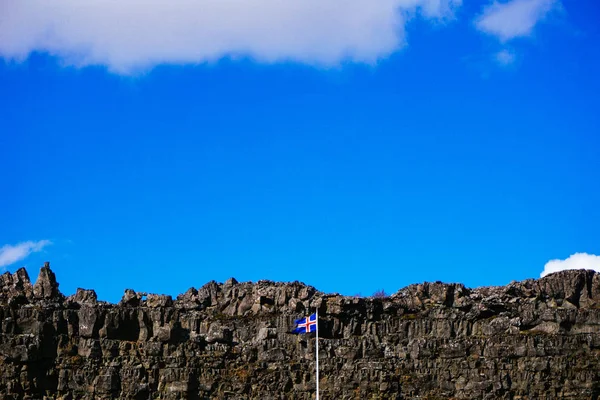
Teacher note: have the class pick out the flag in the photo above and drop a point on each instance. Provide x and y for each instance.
(306, 325)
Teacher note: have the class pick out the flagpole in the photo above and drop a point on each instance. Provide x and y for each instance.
(317, 330)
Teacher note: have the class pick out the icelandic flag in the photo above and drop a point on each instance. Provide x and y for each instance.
(306, 325)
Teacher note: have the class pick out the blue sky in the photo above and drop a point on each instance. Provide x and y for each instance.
(351, 146)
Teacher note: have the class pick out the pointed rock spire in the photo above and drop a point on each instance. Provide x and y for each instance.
(46, 286)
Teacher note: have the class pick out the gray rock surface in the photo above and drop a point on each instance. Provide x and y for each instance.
(535, 339)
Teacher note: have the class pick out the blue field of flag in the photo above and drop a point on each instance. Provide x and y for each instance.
(306, 325)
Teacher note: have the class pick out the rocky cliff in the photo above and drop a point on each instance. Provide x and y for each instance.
(536, 339)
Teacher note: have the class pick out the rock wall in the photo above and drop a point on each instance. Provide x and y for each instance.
(536, 339)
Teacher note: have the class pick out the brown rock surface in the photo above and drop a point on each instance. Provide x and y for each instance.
(535, 339)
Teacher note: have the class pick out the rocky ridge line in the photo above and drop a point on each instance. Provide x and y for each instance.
(535, 339)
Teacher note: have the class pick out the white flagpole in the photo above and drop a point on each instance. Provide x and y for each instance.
(317, 330)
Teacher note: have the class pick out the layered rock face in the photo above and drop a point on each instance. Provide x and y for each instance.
(536, 339)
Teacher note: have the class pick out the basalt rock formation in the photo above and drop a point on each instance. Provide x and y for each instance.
(535, 339)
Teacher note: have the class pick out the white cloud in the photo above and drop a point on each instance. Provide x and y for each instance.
(11, 254)
(515, 18)
(576, 261)
(127, 35)
(505, 57)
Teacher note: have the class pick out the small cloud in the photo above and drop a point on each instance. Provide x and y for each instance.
(11, 254)
(576, 261)
(515, 18)
(505, 57)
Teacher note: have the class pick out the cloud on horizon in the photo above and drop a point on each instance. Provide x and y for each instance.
(575, 261)
(128, 35)
(513, 19)
(12, 254)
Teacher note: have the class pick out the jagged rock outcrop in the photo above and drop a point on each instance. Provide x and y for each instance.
(535, 339)
(46, 286)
